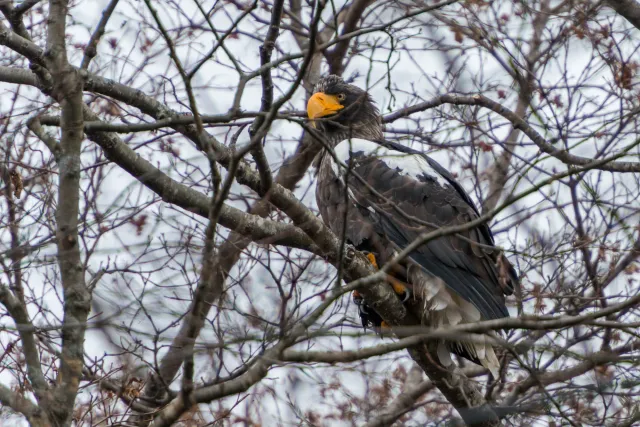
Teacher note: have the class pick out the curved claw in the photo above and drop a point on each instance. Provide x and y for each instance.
(406, 295)
(400, 288)
(372, 259)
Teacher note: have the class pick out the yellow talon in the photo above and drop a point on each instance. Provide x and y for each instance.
(397, 285)
(372, 259)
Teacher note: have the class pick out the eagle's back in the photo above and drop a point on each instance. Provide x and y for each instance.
(392, 195)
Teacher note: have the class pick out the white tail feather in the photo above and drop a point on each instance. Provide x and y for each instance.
(444, 355)
(445, 308)
(491, 362)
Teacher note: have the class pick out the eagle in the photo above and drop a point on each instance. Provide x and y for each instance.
(382, 195)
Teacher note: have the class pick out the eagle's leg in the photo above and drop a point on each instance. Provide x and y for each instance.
(357, 298)
(368, 316)
(372, 259)
(399, 287)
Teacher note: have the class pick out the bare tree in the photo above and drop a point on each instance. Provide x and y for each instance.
(163, 259)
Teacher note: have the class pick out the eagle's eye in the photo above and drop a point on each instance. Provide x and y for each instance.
(341, 97)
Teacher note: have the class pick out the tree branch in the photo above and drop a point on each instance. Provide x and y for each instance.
(30, 349)
(257, 134)
(350, 21)
(519, 124)
(67, 90)
(629, 9)
(92, 47)
(290, 173)
(22, 405)
(402, 404)
(259, 229)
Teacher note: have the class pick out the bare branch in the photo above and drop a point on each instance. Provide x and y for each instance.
(172, 289)
(92, 47)
(519, 124)
(260, 229)
(403, 403)
(31, 352)
(185, 78)
(349, 18)
(24, 6)
(629, 9)
(77, 298)
(257, 151)
(22, 405)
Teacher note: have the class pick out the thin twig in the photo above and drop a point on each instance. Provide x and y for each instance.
(92, 47)
(257, 150)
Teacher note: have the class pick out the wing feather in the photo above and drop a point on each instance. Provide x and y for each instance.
(392, 203)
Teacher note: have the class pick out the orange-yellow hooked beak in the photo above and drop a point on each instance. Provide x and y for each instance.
(321, 105)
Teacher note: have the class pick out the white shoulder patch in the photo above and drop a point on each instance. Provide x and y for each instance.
(413, 165)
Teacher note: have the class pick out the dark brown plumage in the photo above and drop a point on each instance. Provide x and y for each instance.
(391, 196)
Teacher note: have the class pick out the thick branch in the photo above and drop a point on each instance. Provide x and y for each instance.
(23, 406)
(67, 90)
(259, 229)
(401, 405)
(351, 18)
(415, 338)
(629, 9)
(29, 347)
(18, 76)
(292, 170)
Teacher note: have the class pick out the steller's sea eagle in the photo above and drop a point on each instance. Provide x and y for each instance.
(391, 194)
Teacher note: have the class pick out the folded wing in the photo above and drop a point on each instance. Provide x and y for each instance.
(392, 195)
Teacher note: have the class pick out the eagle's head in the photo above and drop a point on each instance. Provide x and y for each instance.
(343, 110)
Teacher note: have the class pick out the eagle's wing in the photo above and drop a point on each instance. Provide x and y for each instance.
(394, 195)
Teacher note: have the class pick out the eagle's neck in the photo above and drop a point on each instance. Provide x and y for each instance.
(367, 129)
